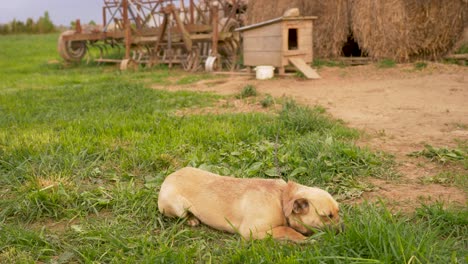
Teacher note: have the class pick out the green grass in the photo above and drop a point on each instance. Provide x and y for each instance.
(248, 91)
(267, 101)
(386, 63)
(445, 155)
(84, 149)
(448, 178)
(319, 63)
(420, 65)
(462, 50)
(190, 79)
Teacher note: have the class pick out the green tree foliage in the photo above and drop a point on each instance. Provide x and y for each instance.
(42, 26)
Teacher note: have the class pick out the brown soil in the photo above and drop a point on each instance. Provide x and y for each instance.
(401, 109)
(230, 105)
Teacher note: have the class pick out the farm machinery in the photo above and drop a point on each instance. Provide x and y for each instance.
(196, 34)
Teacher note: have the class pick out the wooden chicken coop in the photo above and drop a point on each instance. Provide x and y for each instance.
(280, 42)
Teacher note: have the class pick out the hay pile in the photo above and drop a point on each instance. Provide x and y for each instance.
(402, 30)
(331, 29)
(465, 12)
(406, 29)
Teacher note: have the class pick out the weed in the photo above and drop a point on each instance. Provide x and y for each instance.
(448, 178)
(381, 133)
(442, 155)
(454, 61)
(193, 78)
(420, 65)
(248, 91)
(319, 63)
(386, 63)
(267, 101)
(460, 126)
(462, 50)
(300, 75)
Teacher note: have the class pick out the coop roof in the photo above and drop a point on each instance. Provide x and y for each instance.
(274, 20)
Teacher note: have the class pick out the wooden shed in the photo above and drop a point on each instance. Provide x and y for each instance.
(280, 41)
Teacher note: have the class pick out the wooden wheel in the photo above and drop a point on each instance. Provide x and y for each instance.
(72, 51)
(230, 47)
(211, 64)
(192, 61)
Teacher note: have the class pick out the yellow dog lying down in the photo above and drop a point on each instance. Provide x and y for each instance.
(255, 208)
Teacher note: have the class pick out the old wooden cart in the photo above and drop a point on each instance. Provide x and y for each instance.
(192, 33)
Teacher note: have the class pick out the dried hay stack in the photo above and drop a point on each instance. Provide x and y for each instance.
(331, 29)
(406, 29)
(465, 12)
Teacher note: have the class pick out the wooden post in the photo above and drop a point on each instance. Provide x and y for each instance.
(78, 28)
(192, 19)
(138, 20)
(185, 35)
(162, 31)
(281, 70)
(215, 35)
(127, 29)
(104, 17)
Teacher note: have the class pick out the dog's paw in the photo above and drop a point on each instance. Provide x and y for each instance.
(193, 221)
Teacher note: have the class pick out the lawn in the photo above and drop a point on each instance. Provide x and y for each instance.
(84, 149)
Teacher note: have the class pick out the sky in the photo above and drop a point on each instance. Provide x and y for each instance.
(61, 12)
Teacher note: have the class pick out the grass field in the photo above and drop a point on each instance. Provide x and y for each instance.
(84, 149)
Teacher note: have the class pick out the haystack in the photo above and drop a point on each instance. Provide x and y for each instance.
(406, 29)
(331, 29)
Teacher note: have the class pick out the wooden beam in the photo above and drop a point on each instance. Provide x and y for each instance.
(304, 68)
(180, 25)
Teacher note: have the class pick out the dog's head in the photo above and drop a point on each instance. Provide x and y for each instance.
(309, 208)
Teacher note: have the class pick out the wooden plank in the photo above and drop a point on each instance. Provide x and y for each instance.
(85, 36)
(354, 60)
(304, 68)
(258, 29)
(457, 56)
(108, 60)
(263, 44)
(257, 58)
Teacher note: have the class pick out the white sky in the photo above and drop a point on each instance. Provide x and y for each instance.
(61, 12)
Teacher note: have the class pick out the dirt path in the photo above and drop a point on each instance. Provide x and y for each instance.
(400, 108)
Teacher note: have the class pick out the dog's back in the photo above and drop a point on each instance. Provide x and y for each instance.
(221, 202)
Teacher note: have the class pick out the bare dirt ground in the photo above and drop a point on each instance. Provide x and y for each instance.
(401, 109)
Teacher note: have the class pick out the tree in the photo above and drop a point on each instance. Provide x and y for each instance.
(17, 26)
(44, 24)
(4, 29)
(30, 26)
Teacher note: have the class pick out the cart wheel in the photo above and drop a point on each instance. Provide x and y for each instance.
(192, 62)
(229, 49)
(128, 64)
(72, 51)
(211, 64)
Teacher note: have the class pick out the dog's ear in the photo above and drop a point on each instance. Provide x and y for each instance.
(291, 202)
(301, 206)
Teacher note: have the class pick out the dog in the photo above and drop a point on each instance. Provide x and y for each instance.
(255, 208)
